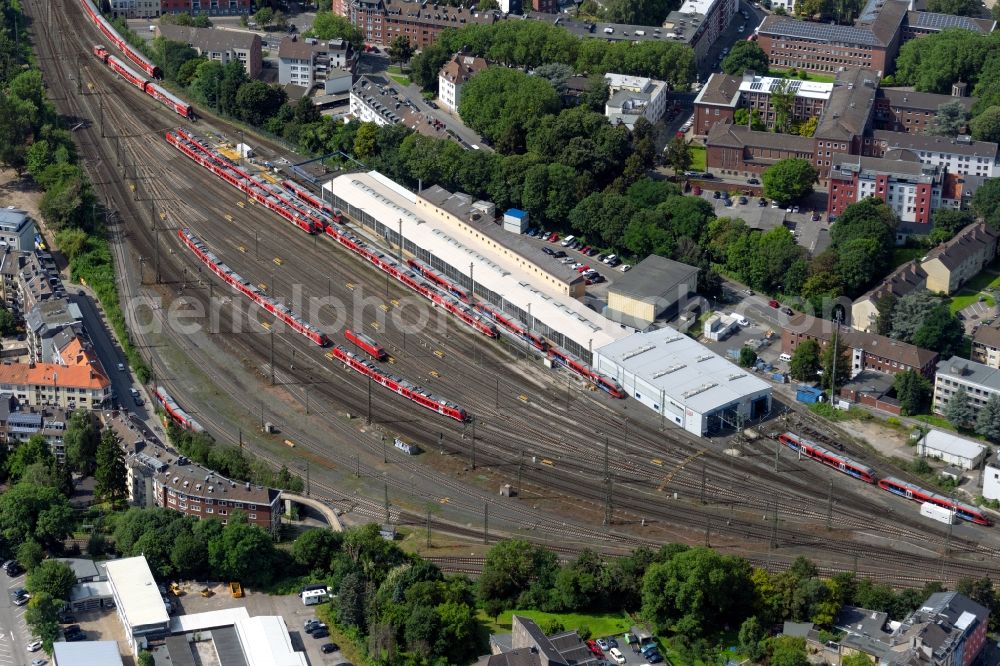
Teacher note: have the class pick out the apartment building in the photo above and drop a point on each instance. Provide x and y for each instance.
(382, 21)
(950, 265)
(210, 7)
(308, 62)
(910, 188)
(867, 351)
(454, 75)
(45, 321)
(959, 155)
(979, 381)
(201, 493)
(17, 229)
(910, 111)
(634, 97)
(904, 280)
(19, 423)
(223, 46)
(69, 387)
(722, 94)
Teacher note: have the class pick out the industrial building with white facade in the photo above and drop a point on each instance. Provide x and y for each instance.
(684, 381)
(458, 237)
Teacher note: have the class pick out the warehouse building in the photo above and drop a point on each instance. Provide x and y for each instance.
(991, 478)
(652, 289)
(137, 599)
(684, 381)
(458, 237)
(86, 653)
(952, 449)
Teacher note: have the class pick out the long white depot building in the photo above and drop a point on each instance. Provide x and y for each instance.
(446, 232)
(684, 381)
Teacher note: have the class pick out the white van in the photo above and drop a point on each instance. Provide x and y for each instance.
(787, 358)
(569, 239)
(616, 655)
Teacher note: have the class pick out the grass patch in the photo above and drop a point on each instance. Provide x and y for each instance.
(936, 421)
(963, 300)
(698, 158)
(396, 74)
(831, 413)
(901, 255)
(983, 280)
(807, 76)
(600, 624)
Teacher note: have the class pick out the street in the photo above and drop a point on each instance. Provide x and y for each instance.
(14, 633)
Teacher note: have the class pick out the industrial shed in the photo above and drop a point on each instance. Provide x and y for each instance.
(684, 381)
(952, 449)
(653, 289)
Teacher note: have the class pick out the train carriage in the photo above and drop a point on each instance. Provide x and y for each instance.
(917, 494)
(369, 346)
(837, 461)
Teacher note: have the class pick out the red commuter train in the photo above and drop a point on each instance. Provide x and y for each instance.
(308, 198)
(370, 347)
(438, 279)
(918, 494)
(141, 61)
(231, 277)
(154, 90)
(827, 457)
(398, 385)
(175, 412)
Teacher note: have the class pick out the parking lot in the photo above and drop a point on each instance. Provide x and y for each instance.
(289, 607)
(14, 632)
(570, 257)
(977, 314)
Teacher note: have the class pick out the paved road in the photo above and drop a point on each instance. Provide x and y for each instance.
(111, 355)
(14, 632)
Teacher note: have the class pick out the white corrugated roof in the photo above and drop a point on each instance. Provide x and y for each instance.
(938, 440)
(86, 653)
(687, 371)
(266, 642)
(139, 599)
(389, 202)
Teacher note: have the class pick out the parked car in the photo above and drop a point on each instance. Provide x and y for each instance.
(696, 190)
(626, 268)
(595, 649)
(743, 200)
(788, 311)
(34, 646)
(585, 249)
(321, 633)
(548, 250)
(815, 216)
(553, 237)
(774, 304)
(762, 202)
(558, 254)
(717, 194)
(592, 252)
(327, 648)
(753, 181)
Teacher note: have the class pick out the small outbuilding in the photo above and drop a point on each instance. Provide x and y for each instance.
(952, 449)
(656, 288)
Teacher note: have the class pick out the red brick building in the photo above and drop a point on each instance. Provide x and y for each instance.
(913, 190)
(738, 149)
(383, 20)
(198, 492)
(867, 351)
(211, 7)
(909, 111)
(722, 94)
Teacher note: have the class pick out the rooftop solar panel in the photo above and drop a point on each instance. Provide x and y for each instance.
(822, 32)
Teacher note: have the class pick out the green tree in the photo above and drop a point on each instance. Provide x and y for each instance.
(242, 552)
(986, 125)
(233, 78)
(201, 20)
(696, 589)
(951, 55)
(950, 120)
(207, 83)
(80, 440)
(146, 658)
(42, 615)
(263, 17)
(30, 555)
(256, 102)
(51, 577)
(747, 357)
(948, 222)
(909, 312)
(746, 56)
(511, 568)
(787, 651)
(783, 101)
(886, 306)
(956, 7)
(111, 474)
(789, 180)
(751, 637)
(351, 601)
(400, 49)
(913, 392)
(424, 66)
(986, 202)
(941, 331)
(679, 155)
(988, 421)
(314, 549)
(805, 361)
(503, 104)
(35, 450)
(836, 364)
(328, 25)
(959, 410)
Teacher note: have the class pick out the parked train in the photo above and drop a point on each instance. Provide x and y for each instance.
(141, 61)
(918, 494)
(398, 385)
(308, 198)
(366, 344)
(254, 293)
(438, 279)
(154, 90)
(828, 458)
(261, 192)
(868, 475)
(175, 412)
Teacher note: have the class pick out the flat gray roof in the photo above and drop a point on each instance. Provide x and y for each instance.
(684, 369)
(970, 372)
(654, 278)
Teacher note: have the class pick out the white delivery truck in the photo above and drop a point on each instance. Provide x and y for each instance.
(938, 513)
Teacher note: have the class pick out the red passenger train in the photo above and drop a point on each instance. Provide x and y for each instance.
(279, 310)
(308, 198)
(370, 347)
(141, 61)
(398, 385)
(828, 458)
(152, 89)
(918, 494)
(175, 412)
(438, 279)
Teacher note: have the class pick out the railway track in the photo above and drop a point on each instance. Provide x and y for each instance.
(504, 429)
